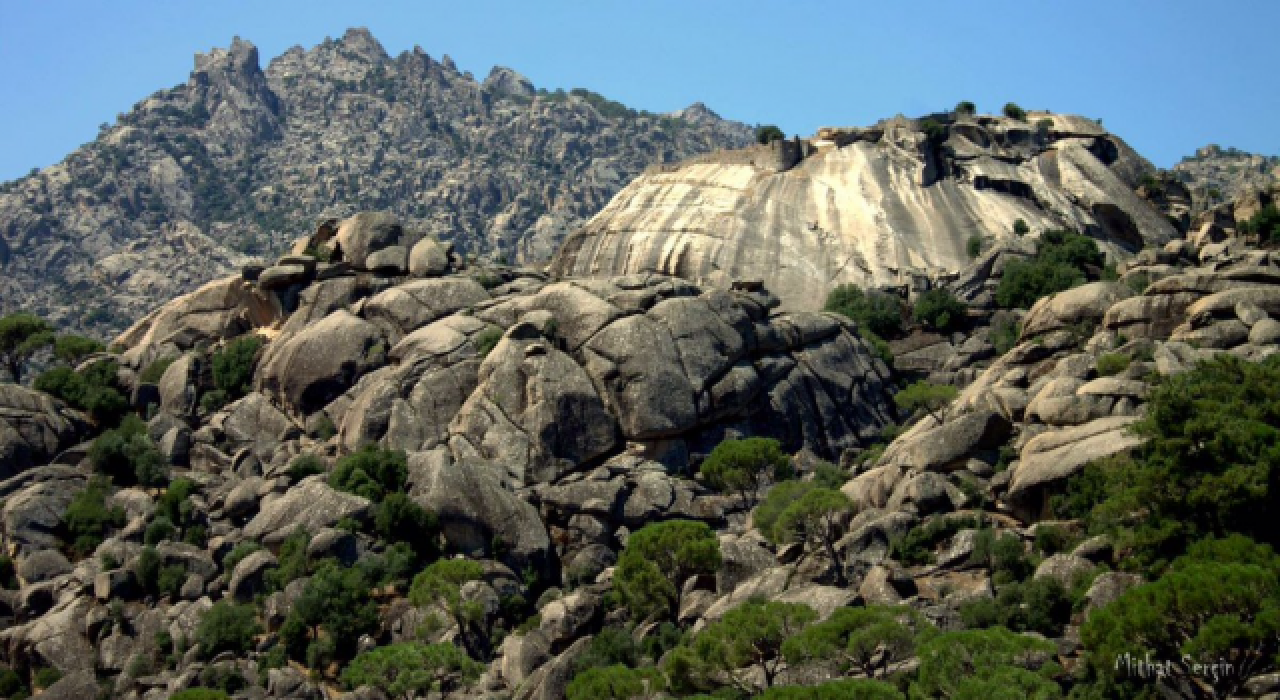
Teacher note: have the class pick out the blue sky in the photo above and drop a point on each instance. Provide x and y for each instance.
(1167, 76)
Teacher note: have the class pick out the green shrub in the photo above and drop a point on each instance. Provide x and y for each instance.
(170, 579)
(966, 108)
(200, 694)
(973, 246)
(10, 682)
(1265, 224)
(1052, 539)
(613, 646)
(95, 391)
(47, 676)
(127, 455)
(304, 466)
(1024, 283)
(155, 370)
(325, 428)
(1209, 467)
(236, 555)
(1004, 335)
(159, 530)
(743, 466)
(875, 311)
(223, 678)
(1217, 602)
(22, 335)
(940, 310)
(1020, 227)
(227, 627)
(1112, 363)
(1063, 260)
(213, 400)
(1013, 111)
(1044, 127)
(925, 396)
(88, 520)
(658, 559)
(8, 574)
(934, 131)
(233, 366)
(399, 519)
(442, 667)
(291, 563)
(766, 515)
(1004, 555)
(878, 345)
(916, 547)
(371, 472)
(486, 340)
(336, 601)
(768, 133)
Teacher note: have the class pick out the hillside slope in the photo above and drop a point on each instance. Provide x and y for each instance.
(236, 162)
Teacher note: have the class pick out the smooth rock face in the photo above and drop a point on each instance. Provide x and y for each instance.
(869, 208)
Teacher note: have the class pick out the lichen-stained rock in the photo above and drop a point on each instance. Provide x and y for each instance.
(56, 638)
(869, 209)
(34, 503)
(945, 447)
(311, 368)
(534, 409)
(310, 505)
(254, 422)
(407, 307)
(646, 389)
(34, 427)
(476, 511)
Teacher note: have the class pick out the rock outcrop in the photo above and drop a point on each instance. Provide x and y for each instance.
(871, 206)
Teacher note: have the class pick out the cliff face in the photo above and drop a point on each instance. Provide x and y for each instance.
(239, 160)
(870, 206)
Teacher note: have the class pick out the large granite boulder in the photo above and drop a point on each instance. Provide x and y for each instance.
(305, 371)
(476, 511)
(310, 505)
(364, 234)
(34, 427)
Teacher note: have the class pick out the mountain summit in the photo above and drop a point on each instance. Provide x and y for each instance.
(197, 179)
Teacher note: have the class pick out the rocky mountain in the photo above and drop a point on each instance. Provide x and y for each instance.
(1216, 175)
(373, 399)
(198, 179)
(872, 206)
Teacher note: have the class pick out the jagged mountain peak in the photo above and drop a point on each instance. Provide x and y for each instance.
(241, 158)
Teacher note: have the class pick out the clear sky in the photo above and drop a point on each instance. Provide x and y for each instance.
(1168, 76)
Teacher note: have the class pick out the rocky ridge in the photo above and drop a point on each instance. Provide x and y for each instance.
(874, 206)
(198, 179)
(553, 417)
(1216, 175)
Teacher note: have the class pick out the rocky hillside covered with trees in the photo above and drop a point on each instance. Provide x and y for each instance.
(375, 469)
(198, 179)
